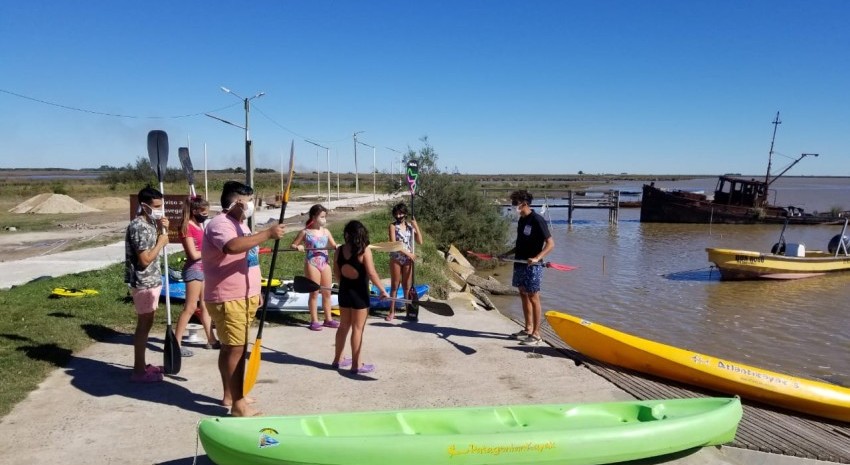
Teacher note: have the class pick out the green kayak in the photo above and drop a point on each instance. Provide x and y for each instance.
(521, 434)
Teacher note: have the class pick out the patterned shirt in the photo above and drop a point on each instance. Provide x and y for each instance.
(140, 236)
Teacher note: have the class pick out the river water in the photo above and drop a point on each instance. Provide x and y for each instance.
(654, 281)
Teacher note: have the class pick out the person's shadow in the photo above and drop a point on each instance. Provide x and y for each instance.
(102, 379)
(444, 332)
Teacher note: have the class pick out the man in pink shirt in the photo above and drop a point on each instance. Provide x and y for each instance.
(231, 262)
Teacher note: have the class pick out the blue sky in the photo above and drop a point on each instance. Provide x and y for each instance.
(603, 86)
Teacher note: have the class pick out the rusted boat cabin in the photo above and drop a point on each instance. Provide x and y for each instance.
(740, 192)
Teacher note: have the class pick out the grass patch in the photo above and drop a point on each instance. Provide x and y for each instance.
(39, 334)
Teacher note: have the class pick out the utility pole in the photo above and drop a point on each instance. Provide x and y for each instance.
(329, 168)
(356, 172)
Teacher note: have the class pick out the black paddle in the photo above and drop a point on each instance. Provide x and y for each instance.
(188, 170)
(303, 284)
(412, 179)
(253, 368)
(158, 153)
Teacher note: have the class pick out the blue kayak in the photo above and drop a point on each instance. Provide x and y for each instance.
(375, 302)
(177, 290)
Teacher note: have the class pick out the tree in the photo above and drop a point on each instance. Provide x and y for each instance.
(427, 157)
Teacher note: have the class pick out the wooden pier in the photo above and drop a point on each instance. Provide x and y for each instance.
(578, 200)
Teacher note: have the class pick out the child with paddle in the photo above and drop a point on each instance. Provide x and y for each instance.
(354, 268)
(533, 242)
(195, 213)
(145, 238)
(401, 262)
(232, 286)
(317, 267)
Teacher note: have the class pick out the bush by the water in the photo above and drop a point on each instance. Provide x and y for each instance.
(453, 210)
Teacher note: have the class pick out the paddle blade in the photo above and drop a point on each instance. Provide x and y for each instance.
(480, 256)
(158, 152)
(186, 163)
(389, 246)
(303, 284)
(253, 368)
(412, 307)
(172, 360)
(438, 308)
(291, 171)
(559, 267)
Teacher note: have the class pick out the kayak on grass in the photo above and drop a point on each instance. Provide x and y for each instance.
(564, 434)
(72, 292)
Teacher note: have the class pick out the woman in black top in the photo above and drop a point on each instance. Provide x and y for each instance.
(354, 268)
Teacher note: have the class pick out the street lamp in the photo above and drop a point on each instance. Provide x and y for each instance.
(329, 165)
(392, 166)
(373, 168)
(356, 173)
(249, 157)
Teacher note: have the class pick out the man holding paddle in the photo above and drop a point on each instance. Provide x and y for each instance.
(144, 240)
(232, 289)
(533, 242)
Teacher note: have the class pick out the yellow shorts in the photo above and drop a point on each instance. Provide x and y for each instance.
(233, 318)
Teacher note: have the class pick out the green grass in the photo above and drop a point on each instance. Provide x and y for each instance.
(39, 334)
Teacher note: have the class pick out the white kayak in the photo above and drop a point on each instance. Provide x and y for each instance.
(285, 299)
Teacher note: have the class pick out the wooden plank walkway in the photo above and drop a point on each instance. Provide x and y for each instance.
(762, 428)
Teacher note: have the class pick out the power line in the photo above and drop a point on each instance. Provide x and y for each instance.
(117, 115)
(305, 138)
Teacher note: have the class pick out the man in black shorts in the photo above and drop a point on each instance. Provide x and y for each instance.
(533, 242)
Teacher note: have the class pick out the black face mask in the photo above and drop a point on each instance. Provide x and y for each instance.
(201, 218)
(400, 219)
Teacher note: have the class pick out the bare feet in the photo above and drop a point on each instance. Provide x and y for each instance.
(390, 317)
(229, 402)
(246, 412)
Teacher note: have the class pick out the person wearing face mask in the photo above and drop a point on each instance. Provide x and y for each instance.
(195, 214)
(318, 241)
(401, 263)
(145, 237)
(533, 242)
(230, 257)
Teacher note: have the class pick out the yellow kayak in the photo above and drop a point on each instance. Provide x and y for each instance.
(72, 292)
(627, 351)
(264, 282)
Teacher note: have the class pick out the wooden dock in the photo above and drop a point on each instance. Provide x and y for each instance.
(763, 428)
(581, 200)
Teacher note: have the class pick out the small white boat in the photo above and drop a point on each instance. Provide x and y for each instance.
(285, 299)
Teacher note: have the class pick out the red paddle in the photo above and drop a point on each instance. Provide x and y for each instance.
(554, 266)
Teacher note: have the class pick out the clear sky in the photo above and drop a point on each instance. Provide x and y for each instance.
(601, 86)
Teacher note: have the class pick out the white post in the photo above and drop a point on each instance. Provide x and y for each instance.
(318, 177)
(206, 192)
(337, 175)
(374, 175)
(329, 174)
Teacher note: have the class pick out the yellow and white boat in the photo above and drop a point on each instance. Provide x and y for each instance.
(627, 351)
(786, 261)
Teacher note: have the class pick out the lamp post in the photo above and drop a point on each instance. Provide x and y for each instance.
(392, 166)
(373, 168)
(329, 167)
(356, 173)
(249, 156)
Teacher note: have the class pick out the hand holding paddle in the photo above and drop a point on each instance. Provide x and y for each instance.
(554, 266)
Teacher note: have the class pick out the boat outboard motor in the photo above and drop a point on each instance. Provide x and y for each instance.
(778, 248)
(834, 243)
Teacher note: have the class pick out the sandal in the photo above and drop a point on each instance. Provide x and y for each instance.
(520, 334)
(365, 368)
(315, 326)
(331, 324)
(146, 377)
(154, 368)
(345, 363)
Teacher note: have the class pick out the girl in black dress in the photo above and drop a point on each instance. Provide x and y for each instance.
(353, 269)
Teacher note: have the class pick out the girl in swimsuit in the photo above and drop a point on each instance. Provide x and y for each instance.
(354, 268)
(316, 240)
(401, 263)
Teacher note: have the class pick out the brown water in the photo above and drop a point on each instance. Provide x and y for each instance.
(655, 281)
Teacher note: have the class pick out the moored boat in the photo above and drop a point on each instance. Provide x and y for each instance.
(786, 261)
(735, 201)
(634, 353)
(520, 434)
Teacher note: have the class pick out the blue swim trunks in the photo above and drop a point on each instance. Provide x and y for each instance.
(527, 277)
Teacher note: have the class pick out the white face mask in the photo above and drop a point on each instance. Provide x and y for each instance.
(322, 222)
(249, 210)
(156, 214)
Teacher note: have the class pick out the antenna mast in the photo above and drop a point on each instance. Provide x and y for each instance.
(776, 124)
